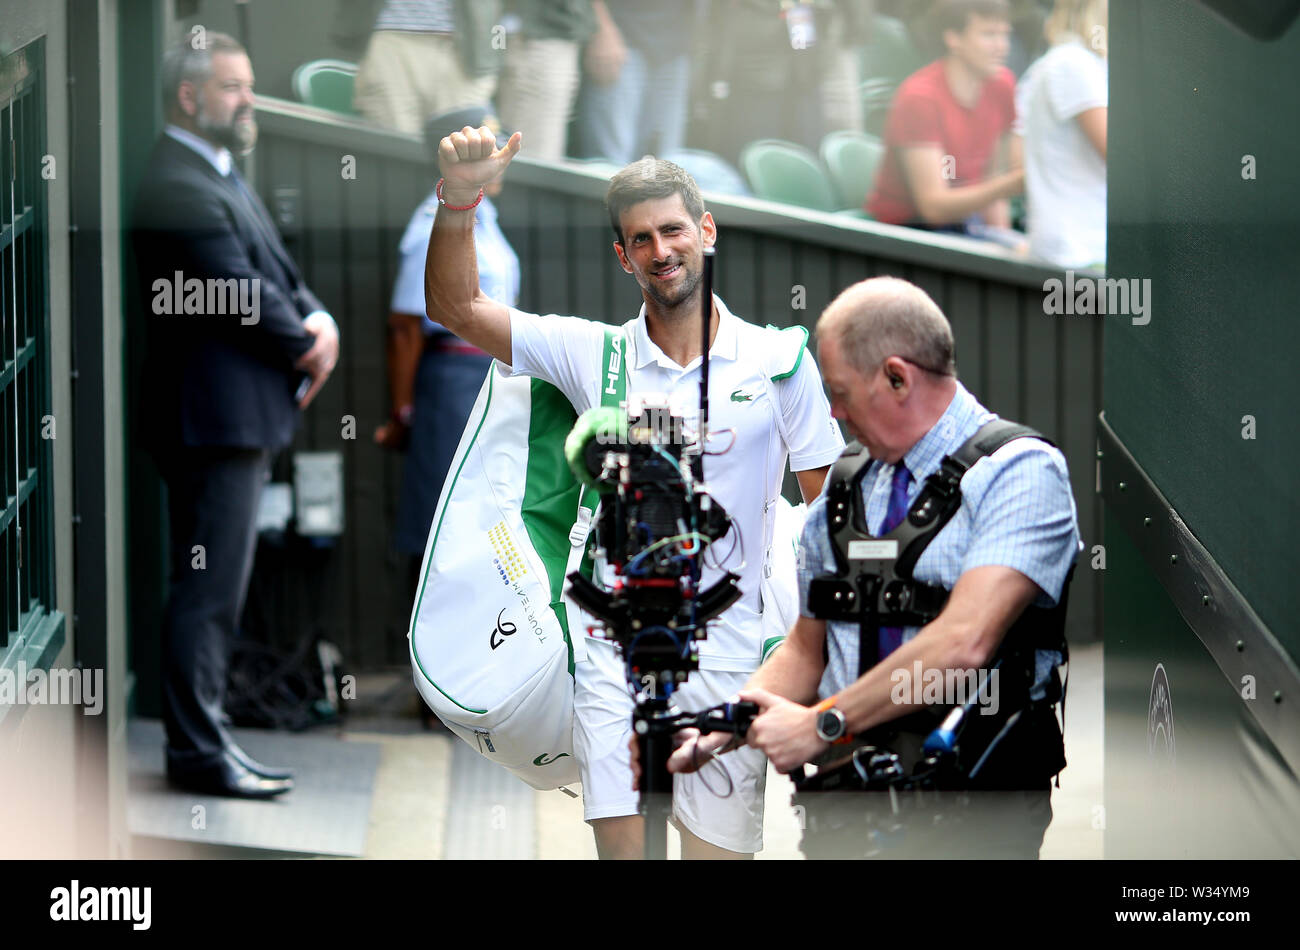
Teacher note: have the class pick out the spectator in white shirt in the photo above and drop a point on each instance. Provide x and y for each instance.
(1061, 110)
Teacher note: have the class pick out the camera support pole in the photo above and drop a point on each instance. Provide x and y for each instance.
(654, 726)
(706, 318)
(655, 738)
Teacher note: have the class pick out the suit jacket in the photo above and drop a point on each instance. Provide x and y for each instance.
(215, 378)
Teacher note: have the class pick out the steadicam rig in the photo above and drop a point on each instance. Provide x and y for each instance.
(655, 523)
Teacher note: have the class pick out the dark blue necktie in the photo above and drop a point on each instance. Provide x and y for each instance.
(891, 638)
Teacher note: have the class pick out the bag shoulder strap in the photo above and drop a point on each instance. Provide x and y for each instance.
(614, 361)
(613, 390)
(613, 393)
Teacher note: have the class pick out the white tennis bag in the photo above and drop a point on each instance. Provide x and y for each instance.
(490, 644)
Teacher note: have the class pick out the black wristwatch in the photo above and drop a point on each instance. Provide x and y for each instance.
(831, 725)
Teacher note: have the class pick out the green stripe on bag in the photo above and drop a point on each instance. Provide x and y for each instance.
(613, 393)
(550, 492)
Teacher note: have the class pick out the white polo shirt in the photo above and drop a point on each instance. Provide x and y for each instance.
(763, 385)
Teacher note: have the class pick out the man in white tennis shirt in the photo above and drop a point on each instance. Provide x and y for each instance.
(763, 387)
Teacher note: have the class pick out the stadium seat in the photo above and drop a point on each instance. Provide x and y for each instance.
(888, 59)
(326, 84)
(786, 172)
(890, 51)
(852, 158)
(1019, 213)
(711, 172)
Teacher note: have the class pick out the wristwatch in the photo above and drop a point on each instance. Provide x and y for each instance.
(831, 725)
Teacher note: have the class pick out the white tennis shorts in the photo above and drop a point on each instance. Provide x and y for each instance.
(722, 803)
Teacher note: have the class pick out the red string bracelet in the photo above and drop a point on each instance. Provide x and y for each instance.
(438, 192)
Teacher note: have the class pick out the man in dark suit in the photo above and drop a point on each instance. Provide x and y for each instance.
(238, 344)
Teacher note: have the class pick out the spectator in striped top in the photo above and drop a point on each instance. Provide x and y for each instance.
(539, 81)
(422, 58)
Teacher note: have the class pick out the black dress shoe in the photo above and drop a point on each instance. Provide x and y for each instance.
(227, 776)
(256, 767)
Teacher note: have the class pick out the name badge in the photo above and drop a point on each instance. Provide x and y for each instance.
(873, 550)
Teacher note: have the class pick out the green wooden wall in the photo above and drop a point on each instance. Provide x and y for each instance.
(1192, 101)
(1202, 691)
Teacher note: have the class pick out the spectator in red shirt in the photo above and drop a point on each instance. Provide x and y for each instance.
(949, 128)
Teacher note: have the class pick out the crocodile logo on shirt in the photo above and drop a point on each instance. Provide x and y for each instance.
(741, 396)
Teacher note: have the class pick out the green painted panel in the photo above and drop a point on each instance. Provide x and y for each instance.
(139, 35)
(1193, 776)
(1205, 205)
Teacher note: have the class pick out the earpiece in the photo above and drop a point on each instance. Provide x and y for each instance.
(896, 381)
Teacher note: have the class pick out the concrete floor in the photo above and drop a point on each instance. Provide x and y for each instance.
(425, 805)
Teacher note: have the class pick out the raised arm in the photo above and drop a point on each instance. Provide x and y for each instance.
(469, 159)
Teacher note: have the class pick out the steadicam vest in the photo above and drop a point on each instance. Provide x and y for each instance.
(873, 586)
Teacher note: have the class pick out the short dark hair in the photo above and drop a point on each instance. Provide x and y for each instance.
(955, 14)
(184, 61)
(647, 180)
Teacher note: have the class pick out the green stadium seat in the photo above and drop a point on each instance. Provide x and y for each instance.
(1019, 213)
(326, 84)
(890, 52)
(786, 172)
(852, 158)
(884, 62)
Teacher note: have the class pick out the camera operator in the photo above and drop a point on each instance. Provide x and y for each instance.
(886, 353)
(661, 231)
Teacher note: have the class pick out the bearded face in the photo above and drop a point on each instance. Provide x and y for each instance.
(224, 104)
(236, 130)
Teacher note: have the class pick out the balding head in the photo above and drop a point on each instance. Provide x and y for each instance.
(885, 316)
(886, 353)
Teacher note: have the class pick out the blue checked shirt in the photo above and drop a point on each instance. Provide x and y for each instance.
(1017, 511)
